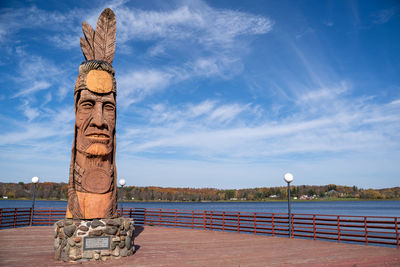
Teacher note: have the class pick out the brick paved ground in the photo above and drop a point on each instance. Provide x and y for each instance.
(158, 246)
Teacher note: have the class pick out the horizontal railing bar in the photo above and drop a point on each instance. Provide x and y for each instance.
(295, 217)
(349, 216)
(349, 226)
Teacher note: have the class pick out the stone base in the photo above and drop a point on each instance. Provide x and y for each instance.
(90, 240)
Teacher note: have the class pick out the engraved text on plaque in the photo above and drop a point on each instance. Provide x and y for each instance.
(94, 242)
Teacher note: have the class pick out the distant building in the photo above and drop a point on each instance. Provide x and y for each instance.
(333, 193)
(306, 197)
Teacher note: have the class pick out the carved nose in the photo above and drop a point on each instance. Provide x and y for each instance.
(98, 119)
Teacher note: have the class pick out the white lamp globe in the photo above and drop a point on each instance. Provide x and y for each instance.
(122, 182)
(35, 180)
(288, 177)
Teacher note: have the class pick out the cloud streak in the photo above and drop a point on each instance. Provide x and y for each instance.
(215, 34)
(223, 131)
(200, 23)
(383, 16)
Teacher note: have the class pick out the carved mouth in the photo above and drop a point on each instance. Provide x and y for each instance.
(98, 136)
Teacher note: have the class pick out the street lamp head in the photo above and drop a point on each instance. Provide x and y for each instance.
(288, 177)
(122, 182)
(35, 180)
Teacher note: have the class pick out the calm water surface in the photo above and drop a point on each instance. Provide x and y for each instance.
(362, 208)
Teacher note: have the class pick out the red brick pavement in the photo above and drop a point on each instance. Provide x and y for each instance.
(158, 246)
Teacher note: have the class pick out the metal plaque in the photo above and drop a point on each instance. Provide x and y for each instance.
(96, 242)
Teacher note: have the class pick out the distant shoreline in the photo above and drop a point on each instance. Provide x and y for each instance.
(231, 201)
(331, 192)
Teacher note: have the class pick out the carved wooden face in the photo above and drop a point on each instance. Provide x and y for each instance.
(95, 122)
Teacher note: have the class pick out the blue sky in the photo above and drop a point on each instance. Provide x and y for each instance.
(225, 94)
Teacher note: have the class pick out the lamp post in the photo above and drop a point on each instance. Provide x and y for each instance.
(289, 178)
(35, 180)
(122, 182)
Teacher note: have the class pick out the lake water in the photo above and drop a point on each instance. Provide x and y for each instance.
(361, 208)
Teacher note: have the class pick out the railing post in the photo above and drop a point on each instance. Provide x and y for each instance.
(292, 224)
(15, 217)
(314, 230)
(130, 213)
(238, 222)
(366, 230)
(192, 219)
(211, 221)
(273, 224)
(223, 221)
(159, 218)
(397, 232)
(1, 218)
(30, 216)
(255, 223)
(175, 217)
(204, 220)
(338, 227)
(144, 217)
(50, 217)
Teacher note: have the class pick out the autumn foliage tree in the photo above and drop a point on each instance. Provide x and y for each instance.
(58, 191)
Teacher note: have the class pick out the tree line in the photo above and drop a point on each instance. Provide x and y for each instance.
(58, 191)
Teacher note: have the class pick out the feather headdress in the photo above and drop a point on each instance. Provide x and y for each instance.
(100, 44)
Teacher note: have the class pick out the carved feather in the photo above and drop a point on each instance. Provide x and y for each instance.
(104, 38)
(86, 49)
(89, 36)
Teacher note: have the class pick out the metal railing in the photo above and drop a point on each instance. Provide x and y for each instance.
(341, 228)
(19, 217)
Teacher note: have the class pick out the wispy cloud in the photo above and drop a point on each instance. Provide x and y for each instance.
(136, 85)
(14, 20)
(39, 135)
(323, 94)
(58, 27)
(383, 16)
(37, 86)
(215, 35)
(223, 131)
(199, 23)
(194, 20)
(212, 33)
(395, 102)
(35, 75)
(29, 112)
(306, 31)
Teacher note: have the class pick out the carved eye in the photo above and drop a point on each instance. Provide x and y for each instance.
(109, 107)
(87, 104)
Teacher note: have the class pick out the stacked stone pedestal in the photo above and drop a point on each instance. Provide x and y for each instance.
(91, 240)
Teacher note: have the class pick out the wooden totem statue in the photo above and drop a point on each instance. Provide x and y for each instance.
(92, 188)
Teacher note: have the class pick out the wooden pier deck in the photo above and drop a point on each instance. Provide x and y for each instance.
(160, 246)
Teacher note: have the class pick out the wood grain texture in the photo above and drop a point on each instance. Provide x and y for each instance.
(165, 246)
(104, 38)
